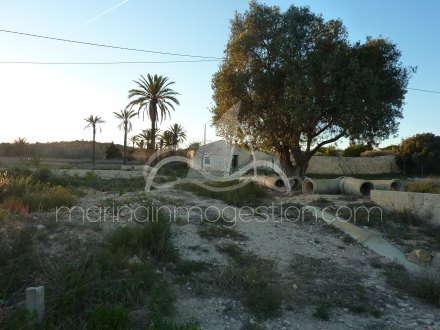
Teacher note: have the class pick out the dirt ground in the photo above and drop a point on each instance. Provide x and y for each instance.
(313, 262)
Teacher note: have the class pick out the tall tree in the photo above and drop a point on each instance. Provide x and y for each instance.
(93, 122)
(299, 84)
(134, 140)
(146, 138)
(154, 96)
(167, 139)
(124, 116)
(178, 134)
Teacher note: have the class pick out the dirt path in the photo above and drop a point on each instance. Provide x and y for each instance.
(284, 240)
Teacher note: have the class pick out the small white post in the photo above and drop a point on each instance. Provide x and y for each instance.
(35, 301)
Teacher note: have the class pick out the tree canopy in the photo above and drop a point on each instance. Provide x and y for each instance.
(299, 84)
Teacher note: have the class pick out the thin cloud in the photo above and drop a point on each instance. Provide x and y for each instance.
(100, 15)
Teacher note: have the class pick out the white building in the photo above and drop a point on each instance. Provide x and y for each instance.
(224, 159)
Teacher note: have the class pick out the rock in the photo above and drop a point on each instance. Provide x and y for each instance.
(295, 286)
(435, 262)
(419, 257)
(425, 321)
(40, 227)
(138, 317)
(134, 261)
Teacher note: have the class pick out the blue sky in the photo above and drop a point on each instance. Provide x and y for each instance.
(49, 103)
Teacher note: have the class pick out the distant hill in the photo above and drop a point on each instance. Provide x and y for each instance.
(65, 149)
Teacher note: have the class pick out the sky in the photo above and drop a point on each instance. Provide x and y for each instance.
(49, 102)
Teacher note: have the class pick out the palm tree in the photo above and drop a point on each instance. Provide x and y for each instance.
(147, 137)
(134, 141)
(178, 134)
(125, 116)
(167, 138)
(153, 95)
(93, 122)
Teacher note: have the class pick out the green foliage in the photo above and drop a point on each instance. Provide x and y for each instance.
(152, 239)
(329, 151)
(322, 311)
(424, 286)
(154, 96)
(296, 83)
(36, 196)
(247, 195)
(16, 262)
(420, 155)
(20, 319)
(112, 152)
(355, 150)
(423, 187)
(105, 317)
(254, 278)
(42, 175)
(378, 153)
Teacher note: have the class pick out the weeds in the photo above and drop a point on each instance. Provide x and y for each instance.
(253, 278)
(247, 195)
(423, 187)
(425, 286)
(211, 231)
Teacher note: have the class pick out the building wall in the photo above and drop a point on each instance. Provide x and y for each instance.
(352, 165)
(426, 206)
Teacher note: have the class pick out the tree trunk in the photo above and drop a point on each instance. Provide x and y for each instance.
(283, 155)
(153, 114)
(124, 160)
(93, 146)
(301, 164)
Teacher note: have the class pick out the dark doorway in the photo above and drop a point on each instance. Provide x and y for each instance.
(234, 165)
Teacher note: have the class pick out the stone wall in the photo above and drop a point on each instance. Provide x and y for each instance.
(352, 165)
(424, 205)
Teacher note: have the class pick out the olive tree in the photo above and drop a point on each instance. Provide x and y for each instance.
(299, 84)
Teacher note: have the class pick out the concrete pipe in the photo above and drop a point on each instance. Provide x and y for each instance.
(273, 182)
(391, 185)
(352, 186)
(321, 186)
(295, 182)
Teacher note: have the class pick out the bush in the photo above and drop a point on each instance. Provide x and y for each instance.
(420, 155)
(112, 152)
(355, 150)
(109, 317)
(247, 195)
(48, 198)
(42, 175)
(423, 187)
(378, 153)
(253, 278)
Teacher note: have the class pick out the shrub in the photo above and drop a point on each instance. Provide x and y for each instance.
(355, 150)
(423, 187)
(16, 206)
(42, 175)
(378, 153)
(252, 277)
(153, 239)
(48, 198)
(109, 317)
(112, 152)
(420, 155)
(247, 195)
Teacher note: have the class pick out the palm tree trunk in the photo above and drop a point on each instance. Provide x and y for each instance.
(153, 114)
(124, 161)
(93, 147)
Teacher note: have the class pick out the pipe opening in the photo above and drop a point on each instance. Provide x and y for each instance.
(396, 186)
(308, 187)
(279, 183)
(366, 188)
